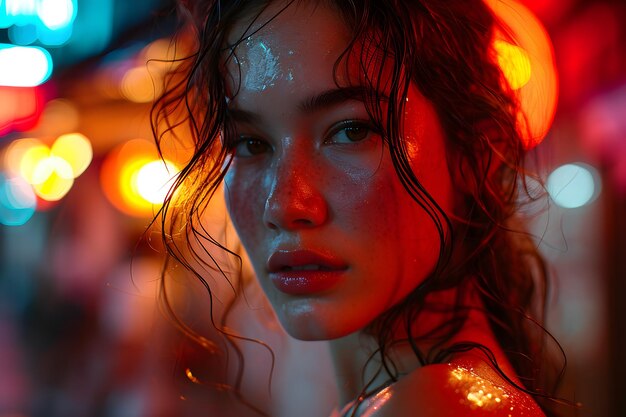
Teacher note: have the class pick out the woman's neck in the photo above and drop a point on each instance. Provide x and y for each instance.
(351, 354)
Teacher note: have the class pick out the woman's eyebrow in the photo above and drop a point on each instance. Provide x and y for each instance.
(334, 97)
(317, 102)
(243, 116)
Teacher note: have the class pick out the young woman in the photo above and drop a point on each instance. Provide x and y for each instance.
(371, 161)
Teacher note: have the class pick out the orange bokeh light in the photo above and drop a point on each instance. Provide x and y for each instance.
(529, 67)
(123, 178)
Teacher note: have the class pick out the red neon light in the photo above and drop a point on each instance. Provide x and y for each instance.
(20, 109)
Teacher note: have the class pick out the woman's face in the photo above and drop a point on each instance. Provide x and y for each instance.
(334, 238)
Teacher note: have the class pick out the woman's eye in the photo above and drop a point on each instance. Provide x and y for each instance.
(248, 147)
(350, 132)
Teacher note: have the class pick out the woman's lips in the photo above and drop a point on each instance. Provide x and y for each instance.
(304, 272)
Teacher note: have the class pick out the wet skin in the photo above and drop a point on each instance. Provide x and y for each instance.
(312, 185)
(333, 237)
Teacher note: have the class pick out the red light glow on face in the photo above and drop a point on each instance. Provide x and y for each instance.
(312, 191)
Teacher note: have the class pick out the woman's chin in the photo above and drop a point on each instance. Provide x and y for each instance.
(306, 319)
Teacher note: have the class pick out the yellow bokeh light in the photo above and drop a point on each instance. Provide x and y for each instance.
(514, 63)
(14, 153)
(135, 179)
(153, 180)
(75, 149)
(50, 172)
(53, 178)
(31, 160)
(529, 67)
(128, 184)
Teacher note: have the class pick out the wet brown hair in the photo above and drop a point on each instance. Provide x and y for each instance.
(445, 49)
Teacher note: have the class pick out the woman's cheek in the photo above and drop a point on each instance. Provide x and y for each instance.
(244, 202)
(357, 166)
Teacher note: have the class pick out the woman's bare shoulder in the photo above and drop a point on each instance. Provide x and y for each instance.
(465, 387)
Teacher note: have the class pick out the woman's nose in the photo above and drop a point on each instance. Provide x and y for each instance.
(295, 200)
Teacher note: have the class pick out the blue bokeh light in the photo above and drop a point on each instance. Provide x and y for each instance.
(17, 201)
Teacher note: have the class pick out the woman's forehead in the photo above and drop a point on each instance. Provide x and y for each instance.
(299, 45)
(286, 46)
(294, 23)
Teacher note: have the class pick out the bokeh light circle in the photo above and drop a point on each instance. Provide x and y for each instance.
(59, 116)
(31, 158)
(17, 201)
(137, 85)
(526, 57)
(514, 62)
(53, 178)
(14, 154)
(572, 185)
(154, 179)
(132, 179)
(75, 149)
(24, 66)
(56, 14)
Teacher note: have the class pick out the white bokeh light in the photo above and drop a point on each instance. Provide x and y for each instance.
(572, 185)
(153, 180)
(56, 14)
(24, 66)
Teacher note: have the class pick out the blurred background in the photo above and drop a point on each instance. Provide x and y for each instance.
(80, 331)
